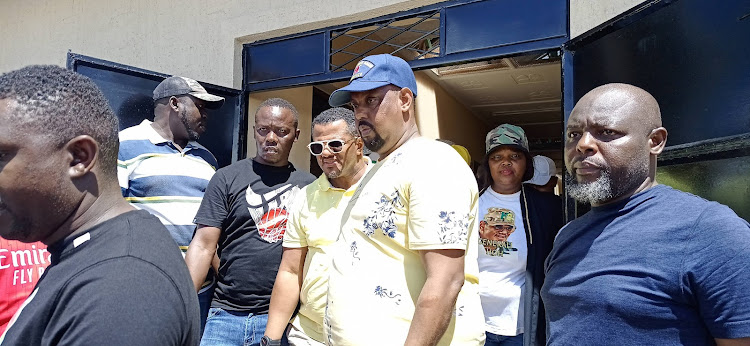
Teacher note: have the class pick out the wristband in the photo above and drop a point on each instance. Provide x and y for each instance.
(266, 341)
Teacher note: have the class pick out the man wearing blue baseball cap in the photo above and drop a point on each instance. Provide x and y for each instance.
(406, 272)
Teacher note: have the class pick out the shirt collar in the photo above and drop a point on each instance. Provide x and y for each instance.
(155, 138)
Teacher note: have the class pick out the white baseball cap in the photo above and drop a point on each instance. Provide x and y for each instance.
(544, 169)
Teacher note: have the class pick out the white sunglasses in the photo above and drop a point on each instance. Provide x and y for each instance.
(334, 145)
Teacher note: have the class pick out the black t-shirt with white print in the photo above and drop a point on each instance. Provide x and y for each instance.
(122, 282)
(248, 201)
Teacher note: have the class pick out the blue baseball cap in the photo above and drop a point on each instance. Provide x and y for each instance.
(373, 72)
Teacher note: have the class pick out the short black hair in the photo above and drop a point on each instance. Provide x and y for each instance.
(335, 114)
(279, 102)
(61, 105)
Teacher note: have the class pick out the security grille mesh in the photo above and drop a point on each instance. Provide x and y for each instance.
(415, 37)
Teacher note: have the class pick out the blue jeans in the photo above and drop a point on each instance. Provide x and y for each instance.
(502, 340)
(233, 328)
(204, 300)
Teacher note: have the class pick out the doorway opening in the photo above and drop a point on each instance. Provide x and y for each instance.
(460, 103)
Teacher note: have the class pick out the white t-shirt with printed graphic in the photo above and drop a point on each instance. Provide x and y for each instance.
(421, 197)
(502, 261)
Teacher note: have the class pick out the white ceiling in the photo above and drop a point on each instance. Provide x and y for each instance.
(504, 91)
(522, 90)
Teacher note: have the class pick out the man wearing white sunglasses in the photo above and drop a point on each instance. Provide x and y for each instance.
(313, 228)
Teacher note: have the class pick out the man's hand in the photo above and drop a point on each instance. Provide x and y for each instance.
(733, 342)
(285, 295)
(445, 277)
(201, 253)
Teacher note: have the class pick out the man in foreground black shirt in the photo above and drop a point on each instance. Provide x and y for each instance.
(116, 276)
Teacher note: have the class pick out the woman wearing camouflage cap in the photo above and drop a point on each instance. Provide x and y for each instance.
(517, 227)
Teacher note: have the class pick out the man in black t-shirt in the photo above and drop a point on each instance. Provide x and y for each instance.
(244, 213)
(117, 277)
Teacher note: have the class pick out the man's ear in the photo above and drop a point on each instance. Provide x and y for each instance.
(360, 145)
(406, 96)
(83, 154)
(296, 134)
(657, 140)
(174, 103)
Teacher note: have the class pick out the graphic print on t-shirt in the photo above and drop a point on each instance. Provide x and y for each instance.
(498, 224)
(269, 211)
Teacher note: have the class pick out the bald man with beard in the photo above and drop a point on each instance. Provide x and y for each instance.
(648, 265)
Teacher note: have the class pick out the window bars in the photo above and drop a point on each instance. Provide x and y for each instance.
(411, 38)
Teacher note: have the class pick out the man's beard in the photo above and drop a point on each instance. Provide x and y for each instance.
(192, 134)
(374, 144)
(333, 175)
(607, 187)
(20, 227)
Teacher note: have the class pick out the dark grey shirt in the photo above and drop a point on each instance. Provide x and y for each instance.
(123, 282)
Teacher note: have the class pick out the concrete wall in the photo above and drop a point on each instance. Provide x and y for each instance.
(587, 14)
(203, 40)
(301, 98)
(199, 39)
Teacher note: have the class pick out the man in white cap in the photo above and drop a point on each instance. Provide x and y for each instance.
(405, 269)
(544, 178)
(161, 167)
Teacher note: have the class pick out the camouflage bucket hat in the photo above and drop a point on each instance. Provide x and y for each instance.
(507, 134)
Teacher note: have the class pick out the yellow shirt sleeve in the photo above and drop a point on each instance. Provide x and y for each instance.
(442, 205)
(295, 235)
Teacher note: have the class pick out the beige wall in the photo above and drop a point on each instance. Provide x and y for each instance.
(198, 39)
(440, 115)
(203, 40)
(301, 98)
(587, 14)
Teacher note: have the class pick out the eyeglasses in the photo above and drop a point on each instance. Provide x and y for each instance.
(334, 145)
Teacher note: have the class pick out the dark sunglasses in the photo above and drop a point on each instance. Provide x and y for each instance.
(334, 145)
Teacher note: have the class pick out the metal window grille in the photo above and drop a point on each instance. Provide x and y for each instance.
(411, 38)
(537, 59)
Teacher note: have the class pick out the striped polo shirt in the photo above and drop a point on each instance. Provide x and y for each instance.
(157, 177)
